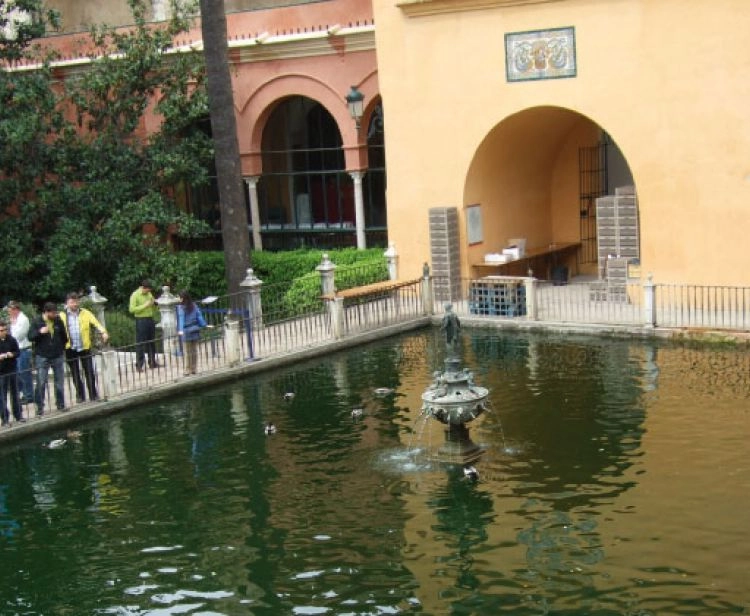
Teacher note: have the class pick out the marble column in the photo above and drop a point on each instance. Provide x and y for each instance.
(359, 208)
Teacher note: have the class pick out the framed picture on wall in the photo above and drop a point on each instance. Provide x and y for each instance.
(474, 224)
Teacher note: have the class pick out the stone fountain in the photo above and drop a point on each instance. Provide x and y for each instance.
(455, 400)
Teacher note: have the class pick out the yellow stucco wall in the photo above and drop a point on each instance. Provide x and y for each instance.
(667, 79)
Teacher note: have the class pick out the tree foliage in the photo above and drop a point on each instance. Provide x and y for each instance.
(85, 194)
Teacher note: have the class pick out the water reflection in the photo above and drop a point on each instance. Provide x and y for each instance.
(607, 488)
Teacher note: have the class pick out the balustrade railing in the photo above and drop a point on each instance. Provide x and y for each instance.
(293, 316)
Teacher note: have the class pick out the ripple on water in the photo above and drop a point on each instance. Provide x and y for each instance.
(403, 461)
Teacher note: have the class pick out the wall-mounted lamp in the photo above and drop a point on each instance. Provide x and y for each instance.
(355, 101)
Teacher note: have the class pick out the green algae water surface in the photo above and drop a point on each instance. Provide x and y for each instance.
(616, 480)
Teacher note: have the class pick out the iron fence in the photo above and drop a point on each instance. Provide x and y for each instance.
(587, 302)
(597, 303)
(383, 307)
(716, 307)
(266, 328)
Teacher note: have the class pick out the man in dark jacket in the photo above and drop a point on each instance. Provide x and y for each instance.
(48, 335)
(9, 352)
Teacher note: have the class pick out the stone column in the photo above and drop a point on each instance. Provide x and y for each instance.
(531, 310)
(336, 310)
(98, 301)
(326, 269)
(251, 285)
(428, 303)
(359, 208)
(252, 191)
(649, 302)
(391, 257)
(232, 345)
(167, 303)
(109, 374)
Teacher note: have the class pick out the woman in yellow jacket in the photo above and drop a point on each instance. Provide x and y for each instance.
(78, 324)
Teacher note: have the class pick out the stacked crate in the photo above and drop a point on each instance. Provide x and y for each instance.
(444, 253)
(618, 242)
(617, 227)
(492, 296)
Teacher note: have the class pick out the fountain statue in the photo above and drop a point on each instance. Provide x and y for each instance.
(454, 399)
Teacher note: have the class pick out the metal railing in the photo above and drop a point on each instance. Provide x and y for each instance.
(382, 308)
(585, 302)
(596, 303)
(716, 307)
(272, 332)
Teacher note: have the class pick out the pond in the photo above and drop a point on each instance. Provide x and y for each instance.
(615, 480)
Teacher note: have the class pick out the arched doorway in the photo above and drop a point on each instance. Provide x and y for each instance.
(305, 194)
(537, 175)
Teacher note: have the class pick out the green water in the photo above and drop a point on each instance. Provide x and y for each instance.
(616, 481)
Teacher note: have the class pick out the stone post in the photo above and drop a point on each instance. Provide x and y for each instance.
(168, 321)
(232, 345)
(98, 301)
(336, 310)
(391, 257)
(253, 313)
(428, 303)
(531, 307)
(327, 269)
(649, 302)
(108, 373)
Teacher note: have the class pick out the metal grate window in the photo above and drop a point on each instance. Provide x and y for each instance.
(592, 173)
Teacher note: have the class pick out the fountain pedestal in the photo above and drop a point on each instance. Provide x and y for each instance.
(455, 400)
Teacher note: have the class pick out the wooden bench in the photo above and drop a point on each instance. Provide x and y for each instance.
(370, 289)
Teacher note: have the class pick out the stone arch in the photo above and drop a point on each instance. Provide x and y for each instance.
(527, 176)
(257, 108)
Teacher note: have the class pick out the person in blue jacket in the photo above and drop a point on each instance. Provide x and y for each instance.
(190, 321)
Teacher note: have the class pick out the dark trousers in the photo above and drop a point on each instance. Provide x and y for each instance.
(82, 361)
(145, 336)
(9, 385)
(25, 380)
(43, 365)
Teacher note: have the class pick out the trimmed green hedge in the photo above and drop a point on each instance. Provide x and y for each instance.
(291, 284)
(278, 267)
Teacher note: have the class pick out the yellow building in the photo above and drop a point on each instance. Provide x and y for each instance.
(510, 117)
(530, 109)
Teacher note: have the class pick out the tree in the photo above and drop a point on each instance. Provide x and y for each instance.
(86, 198)
(223, 125)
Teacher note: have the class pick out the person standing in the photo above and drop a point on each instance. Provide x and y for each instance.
(9, 353)
(19, 329)
(143, 308)
(190, 321)
(48, 335)
(78, 323)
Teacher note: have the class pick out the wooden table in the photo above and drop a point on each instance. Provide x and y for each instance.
(541, 261)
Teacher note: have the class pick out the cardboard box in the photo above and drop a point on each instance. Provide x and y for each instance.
(493, 258)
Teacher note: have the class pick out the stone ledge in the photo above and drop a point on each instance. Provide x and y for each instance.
(418, 8)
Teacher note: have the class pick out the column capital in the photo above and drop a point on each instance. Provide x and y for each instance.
(358, 175)
(252, 180)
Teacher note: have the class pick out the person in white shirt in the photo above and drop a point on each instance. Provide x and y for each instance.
(19, 329)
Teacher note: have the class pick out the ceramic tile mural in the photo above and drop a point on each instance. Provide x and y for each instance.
(540, 54)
